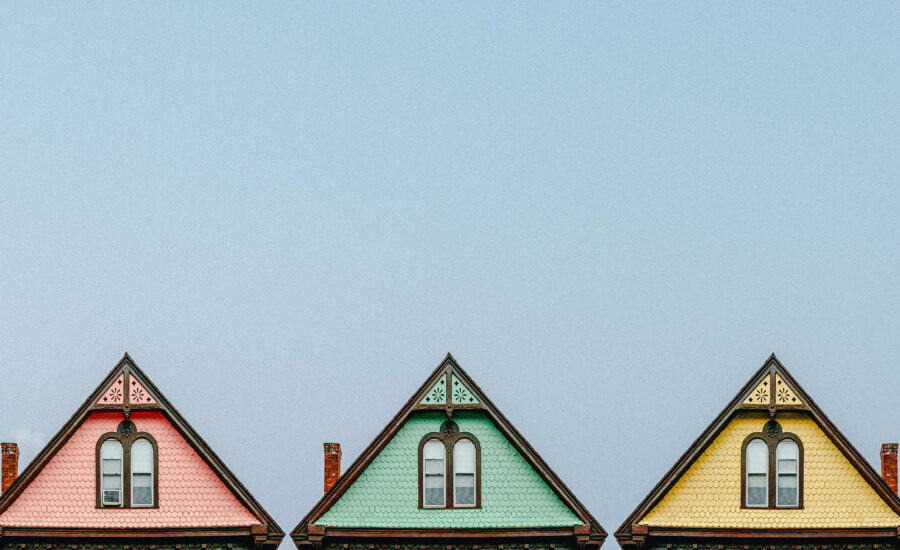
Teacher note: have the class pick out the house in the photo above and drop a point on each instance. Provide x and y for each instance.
(771, 472)
(128, 472)
(448, 471)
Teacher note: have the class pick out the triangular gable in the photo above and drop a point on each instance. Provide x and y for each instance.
(771, 390)
(449, 391)
(126, 391)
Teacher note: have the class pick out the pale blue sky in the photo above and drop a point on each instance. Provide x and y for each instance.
(289, 212)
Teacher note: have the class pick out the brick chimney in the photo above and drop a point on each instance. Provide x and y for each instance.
(333, 464)
(889, 464)
(10, 452)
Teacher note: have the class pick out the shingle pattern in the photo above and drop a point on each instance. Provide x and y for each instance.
(709, 493)
(386, 493)
(64, 493)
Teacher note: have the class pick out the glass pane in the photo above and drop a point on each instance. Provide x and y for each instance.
(787, 490)
(142, 489)
(787, 466)
(757, 457)
(111, 449)
(464, 487)
(464, 456)
(434, 449)
(434, 466)
(757, 490)
(787, 449)
(111, 466)
(142, 457)
(434, 482)
(465, 496)
(434, 497)
(112, 482)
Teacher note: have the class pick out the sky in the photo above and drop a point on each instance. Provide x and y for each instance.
(611, 213)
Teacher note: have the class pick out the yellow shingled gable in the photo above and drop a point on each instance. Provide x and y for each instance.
(709, 493)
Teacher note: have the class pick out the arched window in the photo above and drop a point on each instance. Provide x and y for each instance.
(464, 473)
(111, 466)
(449, 464)
(772, 469)
(787, 459)
(434, 492)
(757, 461)
(127, 468)
(142, 473)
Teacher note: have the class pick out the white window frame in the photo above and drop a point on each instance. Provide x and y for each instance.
(438, 446)
(474, 473)
(151, 472)
(756, 443)
(796, 473)
(103, 475)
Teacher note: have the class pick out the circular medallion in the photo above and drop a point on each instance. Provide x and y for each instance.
(772, 429)
(126, 428)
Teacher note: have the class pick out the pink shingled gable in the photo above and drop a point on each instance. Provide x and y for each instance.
(114, 394)
(137, 395)
(64, 493)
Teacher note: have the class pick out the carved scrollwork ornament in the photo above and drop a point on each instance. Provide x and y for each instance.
(449, 429)
(126, 429)
(772, 429)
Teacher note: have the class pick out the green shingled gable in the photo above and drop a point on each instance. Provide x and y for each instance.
(386, 493)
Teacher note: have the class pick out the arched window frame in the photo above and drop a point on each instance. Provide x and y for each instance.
(772, 443)
(449, 440)
(126, 442)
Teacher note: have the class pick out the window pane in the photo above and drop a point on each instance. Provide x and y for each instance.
(142, 490)
(787, 466)
(142, 457)
(112, 482)
(464, 456)
(757, 490)
(757, 457)
(787, 449)
(111, 449)
(434, 449)
(787, 490)
(434, 467)
(433, 487)
(464, 487)
(111, 466)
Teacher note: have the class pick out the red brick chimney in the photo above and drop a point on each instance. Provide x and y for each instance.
(10, 452)
(333, 464)
(889, 464)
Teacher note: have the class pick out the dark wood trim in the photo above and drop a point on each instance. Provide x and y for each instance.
(771, 366)
(772, 476)
(449, 472)
(126, 364)
(515, 438)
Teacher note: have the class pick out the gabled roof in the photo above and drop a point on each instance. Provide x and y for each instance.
(127, 389)
(449, 388)
(771, 389)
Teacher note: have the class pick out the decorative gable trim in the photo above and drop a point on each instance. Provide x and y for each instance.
(127, 376)
(778, 390)
(467, 395)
